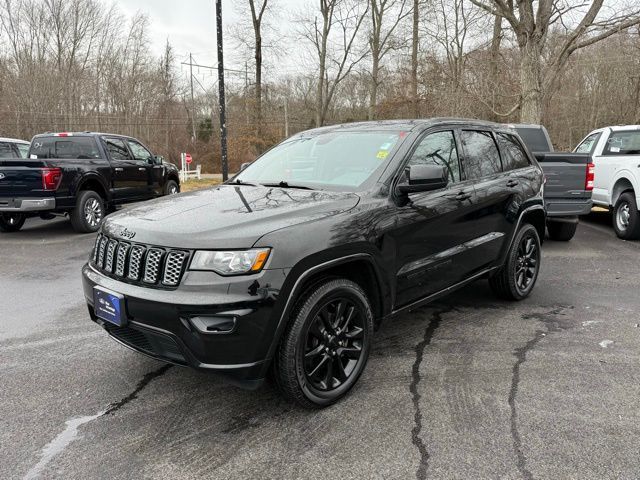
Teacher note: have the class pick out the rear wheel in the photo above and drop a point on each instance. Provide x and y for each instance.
(11, 222)
(516, 278)
(88, 213)
(626, 219)
(561, 231)
(326, 345)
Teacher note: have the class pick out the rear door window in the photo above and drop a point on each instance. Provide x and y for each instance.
(481, 155)
(117, 149)
(6, 150)
(513, 155)
(64, 147)
(623, 143)
(588, 144)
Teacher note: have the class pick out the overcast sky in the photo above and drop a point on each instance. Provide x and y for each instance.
(190, 24)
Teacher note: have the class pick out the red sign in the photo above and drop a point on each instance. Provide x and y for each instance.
(187, 158)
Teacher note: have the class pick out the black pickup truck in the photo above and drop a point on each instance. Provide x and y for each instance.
(568, 181)
(82, 175)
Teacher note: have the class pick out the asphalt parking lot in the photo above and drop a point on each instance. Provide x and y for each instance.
(468, 388)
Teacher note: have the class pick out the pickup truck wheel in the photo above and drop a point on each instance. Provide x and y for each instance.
(326, 345)
(516, 278)
(626, 219)
(88, 213)
(171, 188)
(11, 222)
(561, 231)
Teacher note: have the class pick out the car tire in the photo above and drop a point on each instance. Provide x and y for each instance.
(171, 188)
(326, 344)
(12, 222)
(561, 231)
(517, 277)
(626, 219)
(88, 213)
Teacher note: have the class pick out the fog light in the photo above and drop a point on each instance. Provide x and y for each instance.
(212, 325)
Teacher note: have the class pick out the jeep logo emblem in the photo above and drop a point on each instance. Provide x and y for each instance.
(2, 176)
(124, 233)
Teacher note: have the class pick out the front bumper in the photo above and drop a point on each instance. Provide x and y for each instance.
(27, 204)
(171, 325)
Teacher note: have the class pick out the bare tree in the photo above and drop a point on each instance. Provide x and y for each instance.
(414, 57)
(531, 29)
(334, 41)
(386, 15)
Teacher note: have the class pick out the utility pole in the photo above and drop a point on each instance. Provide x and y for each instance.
(193, 119)
(223, 116)
(286, 118)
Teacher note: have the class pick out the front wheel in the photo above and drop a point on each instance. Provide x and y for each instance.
(626, 219)
(326, 345)
(516, 278)
(12, 222)
(171, 188)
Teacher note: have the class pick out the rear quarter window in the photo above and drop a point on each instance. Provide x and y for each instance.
(588, 144)
(623, 143)
(64, 147)
(513, 155)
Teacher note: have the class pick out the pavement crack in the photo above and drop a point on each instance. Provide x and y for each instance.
(434, 323)
(70, 433)
(551, 323)
(114, 407)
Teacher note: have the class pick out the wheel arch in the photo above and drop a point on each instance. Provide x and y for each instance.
(95, 183)
(360, 268)
(621, 185)
(535, 217)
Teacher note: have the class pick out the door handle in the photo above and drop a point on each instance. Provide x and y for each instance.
(512, 183)
(142, 169)
(460, 196)
(118, 169)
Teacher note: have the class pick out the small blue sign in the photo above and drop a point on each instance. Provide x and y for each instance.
(109, 306)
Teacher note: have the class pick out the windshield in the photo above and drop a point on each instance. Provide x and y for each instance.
(334, 160)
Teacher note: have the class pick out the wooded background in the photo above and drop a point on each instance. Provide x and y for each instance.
(76, 65)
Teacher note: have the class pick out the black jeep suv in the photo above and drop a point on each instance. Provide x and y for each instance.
(293, 263)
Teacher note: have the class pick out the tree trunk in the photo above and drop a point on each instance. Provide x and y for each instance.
(258, 94)
(495, 55)
(531, 82)
(375, 69)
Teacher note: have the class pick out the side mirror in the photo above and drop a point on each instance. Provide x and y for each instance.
(157, 160)
(245, 165)
(424, 178)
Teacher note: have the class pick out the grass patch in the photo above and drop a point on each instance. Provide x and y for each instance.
(194, 184)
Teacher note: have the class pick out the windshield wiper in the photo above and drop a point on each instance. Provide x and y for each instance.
(283, 184)
(237, 181)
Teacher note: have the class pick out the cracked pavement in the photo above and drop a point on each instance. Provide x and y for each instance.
(470, 387)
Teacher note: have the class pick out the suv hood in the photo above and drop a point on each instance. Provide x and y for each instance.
(227, 216)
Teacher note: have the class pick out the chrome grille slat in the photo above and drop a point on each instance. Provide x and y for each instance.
(136, 263)
(103, 245)
(152, 265)
(121, 260)
(111, 250)
(173, 268)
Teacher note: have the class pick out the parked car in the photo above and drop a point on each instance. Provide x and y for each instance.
(569, 181)
(82, 175)
(616, 156)
(13, 148)
(292, 263)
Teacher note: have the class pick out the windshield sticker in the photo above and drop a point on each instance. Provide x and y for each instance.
(382, 154)
(614, 149)
(386, 146)
(33, 157)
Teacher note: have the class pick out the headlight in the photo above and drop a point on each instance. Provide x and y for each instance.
(230, 262)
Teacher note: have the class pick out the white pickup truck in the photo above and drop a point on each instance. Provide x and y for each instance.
(616, 155)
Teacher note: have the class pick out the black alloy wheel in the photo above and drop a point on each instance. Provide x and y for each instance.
(517, 277)
(326, 344)
(333, 344)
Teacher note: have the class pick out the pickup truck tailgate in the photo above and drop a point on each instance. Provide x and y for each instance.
(565, 188)
(20, 177)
